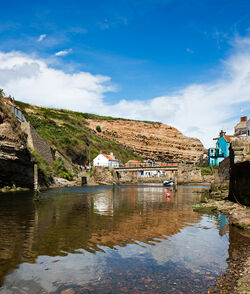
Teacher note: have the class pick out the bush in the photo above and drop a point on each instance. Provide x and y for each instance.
(61, 171)
(98, 128)
(43, 166)
(206, 171)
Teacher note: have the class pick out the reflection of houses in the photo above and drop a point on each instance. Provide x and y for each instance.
(221, 150)
(10, 102)
(243, 127)
(103, 204)
(105, 160)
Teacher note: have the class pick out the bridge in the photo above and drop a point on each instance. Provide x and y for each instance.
(173, 166)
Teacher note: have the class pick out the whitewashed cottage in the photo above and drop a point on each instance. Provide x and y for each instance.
(106, 160)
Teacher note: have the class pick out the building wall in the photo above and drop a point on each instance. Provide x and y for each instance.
(101, 160)
(223, 146)
(113, 164)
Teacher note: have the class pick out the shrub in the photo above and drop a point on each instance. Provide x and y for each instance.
(206, 171)
(61, 171)
(98, 128)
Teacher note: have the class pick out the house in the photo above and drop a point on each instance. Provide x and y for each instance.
(133, 163)
(243, 127)
(106, 160)
(221, 150)
(10, 102)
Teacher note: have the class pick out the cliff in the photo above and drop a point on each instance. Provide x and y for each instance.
(15, 159)
(82, 136)
(155, 141)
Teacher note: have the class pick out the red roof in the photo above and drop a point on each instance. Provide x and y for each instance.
(8, 101)
(228, 138)
(109, 157)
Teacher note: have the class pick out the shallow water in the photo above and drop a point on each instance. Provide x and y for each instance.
(134, 239)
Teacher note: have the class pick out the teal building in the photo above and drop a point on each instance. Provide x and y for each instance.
(221, 151)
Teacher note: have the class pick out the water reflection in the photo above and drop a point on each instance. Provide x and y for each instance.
(94, 239)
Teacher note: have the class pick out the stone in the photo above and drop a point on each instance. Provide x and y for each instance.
(68, 291)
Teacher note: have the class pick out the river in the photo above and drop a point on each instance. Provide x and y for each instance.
(131, 239)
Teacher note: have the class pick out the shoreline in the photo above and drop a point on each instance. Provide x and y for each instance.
(237, 277)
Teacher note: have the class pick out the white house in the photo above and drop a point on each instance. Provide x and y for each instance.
(106, 160)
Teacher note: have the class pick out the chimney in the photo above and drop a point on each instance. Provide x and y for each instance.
(243, 118)
(222, 133)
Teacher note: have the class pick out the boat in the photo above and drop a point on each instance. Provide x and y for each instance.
(168, 183)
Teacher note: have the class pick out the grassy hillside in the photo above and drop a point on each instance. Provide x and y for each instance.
(68, 132)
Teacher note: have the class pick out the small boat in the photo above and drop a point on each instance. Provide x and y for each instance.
(168, 183)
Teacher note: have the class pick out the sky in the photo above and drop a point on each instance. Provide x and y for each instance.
(185, 63)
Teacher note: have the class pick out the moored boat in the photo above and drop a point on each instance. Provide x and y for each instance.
(168, 183)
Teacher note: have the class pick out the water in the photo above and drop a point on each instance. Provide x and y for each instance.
(134, 239)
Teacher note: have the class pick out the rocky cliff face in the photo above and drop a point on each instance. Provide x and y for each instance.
(15, 161)
(154, 141)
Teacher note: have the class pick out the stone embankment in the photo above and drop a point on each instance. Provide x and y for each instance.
(155, 141)
(238, 215)
(190, 174)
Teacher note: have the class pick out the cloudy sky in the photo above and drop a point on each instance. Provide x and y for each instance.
(183, 63)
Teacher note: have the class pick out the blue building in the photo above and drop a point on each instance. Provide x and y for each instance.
(221, 150)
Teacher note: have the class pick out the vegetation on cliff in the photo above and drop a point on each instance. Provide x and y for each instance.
(68, 132)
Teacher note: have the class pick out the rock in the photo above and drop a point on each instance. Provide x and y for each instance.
(15, 159)
(68, 291)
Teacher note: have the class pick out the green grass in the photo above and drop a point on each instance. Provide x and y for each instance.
(68, 132)
(206, 171)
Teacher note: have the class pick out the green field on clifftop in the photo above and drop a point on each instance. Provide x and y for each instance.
(68, 132)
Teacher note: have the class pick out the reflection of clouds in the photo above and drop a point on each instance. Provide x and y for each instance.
(49, 272)
(103, 203)
(194, 247)
(197, 247)
(195, 243)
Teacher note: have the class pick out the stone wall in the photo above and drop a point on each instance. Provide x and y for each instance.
(224, 170)
(240, 183)
(35, 141)
(239, 189)
(189, 174)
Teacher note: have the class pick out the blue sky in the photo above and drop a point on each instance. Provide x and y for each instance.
(127, 53)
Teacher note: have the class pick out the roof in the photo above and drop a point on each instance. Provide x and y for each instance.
(228, 138)
(7, 100)
(109, 157)
(133, 161)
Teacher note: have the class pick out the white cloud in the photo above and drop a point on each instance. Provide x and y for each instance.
(63, 52)
(41, 37)
(32, 80)
(199, 110)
